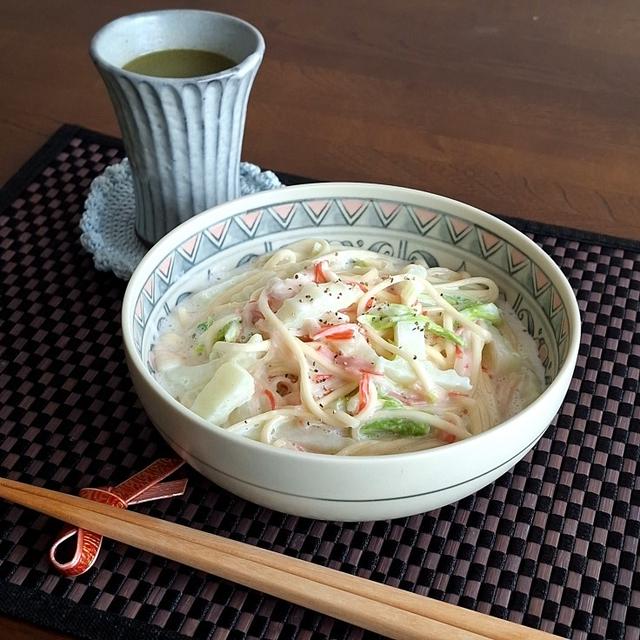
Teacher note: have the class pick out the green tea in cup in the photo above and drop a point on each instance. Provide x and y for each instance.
(179, 63)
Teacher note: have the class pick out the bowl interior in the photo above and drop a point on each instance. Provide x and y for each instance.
(440, 231)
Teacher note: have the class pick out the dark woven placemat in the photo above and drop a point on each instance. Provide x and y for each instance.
(552, 544)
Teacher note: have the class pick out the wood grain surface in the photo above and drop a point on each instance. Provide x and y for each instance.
(530, 109)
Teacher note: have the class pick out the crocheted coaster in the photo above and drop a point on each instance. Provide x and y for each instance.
(107, 223)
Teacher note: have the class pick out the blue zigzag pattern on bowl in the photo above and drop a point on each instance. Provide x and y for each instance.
(411, 223)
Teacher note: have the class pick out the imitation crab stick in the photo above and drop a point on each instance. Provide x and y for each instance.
(337, 332)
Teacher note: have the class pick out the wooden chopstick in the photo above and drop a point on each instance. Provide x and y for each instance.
(386, 610)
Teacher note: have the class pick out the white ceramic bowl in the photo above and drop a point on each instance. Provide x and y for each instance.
(391, 220)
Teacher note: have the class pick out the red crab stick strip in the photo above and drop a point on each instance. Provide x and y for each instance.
(337, 332)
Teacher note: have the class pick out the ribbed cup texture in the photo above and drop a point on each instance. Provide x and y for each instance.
(183, 140)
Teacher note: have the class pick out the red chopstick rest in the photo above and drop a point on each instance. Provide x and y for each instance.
(144, 486)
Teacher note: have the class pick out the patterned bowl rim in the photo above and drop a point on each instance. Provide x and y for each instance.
(346, 190)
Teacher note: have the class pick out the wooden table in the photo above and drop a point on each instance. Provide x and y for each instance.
(529, 109)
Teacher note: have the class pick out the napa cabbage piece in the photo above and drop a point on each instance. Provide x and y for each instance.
(396, 427)
(400, 371)
(412, 287)
(386, 402)
(358, 348)
(316, 300)
(226, 328)
(486, 311)
(185, 378)
(450, 379)
(230, 332)
(230, 387)
(459, 301)
(409, 336)
(315, 438)
(388, 315)
(499, 355)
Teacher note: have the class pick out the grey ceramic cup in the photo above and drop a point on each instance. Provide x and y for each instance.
(183, 136)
